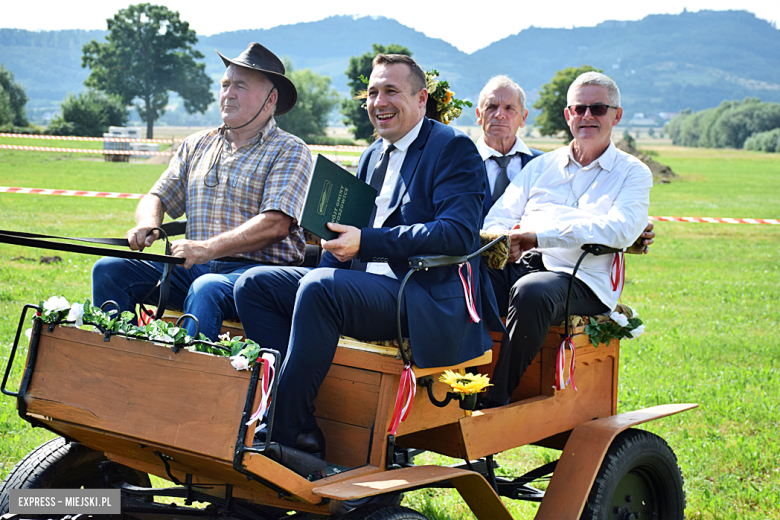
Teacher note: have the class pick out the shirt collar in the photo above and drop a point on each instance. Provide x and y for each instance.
(486, 151)
(407, 140)
(606, 161)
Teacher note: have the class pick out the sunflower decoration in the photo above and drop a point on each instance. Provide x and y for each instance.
(448, 106)
(465, 384)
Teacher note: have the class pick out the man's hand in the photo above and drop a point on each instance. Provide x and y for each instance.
(195, 251)
(347, 246)
(521, 241)
(139, 237)
(642, 244)
(148, 215)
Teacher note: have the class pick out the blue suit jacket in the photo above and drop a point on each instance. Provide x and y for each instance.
(436, 209)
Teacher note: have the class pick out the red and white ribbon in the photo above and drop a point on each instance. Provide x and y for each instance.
(266, 385)
(407, 389)
(468, 291)
(618, 275)
(560, 365)
(71, 193)
(145, 317)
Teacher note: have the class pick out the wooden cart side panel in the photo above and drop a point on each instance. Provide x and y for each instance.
(198, 399)
(581, 459)
(534, 419)
(348, 445)
(446, 440)
(348, 395)
(387, 394)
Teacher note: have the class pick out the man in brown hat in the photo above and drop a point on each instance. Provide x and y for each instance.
(242, 187)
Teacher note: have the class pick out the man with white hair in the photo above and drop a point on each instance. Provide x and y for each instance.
(501, 112)
(588, 192)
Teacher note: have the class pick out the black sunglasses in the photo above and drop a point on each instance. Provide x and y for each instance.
(595, 110)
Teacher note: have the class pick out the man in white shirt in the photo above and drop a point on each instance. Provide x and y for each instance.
(501, 112)
(588, 192)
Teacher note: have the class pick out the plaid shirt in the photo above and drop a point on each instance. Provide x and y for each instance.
(270, 173)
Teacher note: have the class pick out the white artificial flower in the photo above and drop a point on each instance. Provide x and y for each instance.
(239, 362)
(28, 333)
(76, 314)
(224, 337)
(635, 333)
(56, 304)
(619, 319)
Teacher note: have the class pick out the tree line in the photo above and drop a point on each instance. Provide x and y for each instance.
(149, 52)
(750, 124)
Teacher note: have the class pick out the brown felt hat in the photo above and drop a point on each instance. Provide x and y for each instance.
(261, 59)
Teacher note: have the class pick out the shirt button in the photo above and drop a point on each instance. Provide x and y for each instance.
(216, 221)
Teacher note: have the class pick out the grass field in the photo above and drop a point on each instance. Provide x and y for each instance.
(708, 293)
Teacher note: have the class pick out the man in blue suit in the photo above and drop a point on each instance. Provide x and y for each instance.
(431, 184)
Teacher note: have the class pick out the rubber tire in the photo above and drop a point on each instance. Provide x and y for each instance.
(640, 459)
(58, 464)
(384, 513)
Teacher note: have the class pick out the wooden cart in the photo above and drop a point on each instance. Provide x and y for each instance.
(150, 410)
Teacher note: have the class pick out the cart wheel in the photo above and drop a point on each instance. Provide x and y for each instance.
(58, 464)
(639, 478)
(384, 513)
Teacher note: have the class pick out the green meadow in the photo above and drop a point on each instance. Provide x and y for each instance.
(708, 294)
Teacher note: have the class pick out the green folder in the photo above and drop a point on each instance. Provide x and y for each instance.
(335, 195)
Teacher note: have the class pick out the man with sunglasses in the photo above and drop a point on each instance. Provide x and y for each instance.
(242, 187)
(589, 192)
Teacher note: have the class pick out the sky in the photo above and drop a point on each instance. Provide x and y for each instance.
(458, 23)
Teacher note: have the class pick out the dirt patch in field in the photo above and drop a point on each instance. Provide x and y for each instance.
(661, 172)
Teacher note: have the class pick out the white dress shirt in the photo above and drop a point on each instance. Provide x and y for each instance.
(386, 193)
(492, 167)
(614, 196)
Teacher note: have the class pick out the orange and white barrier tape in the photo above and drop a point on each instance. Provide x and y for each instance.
(71, 193)
(79, 150)
(337, 148)
(717, 220)
(312, 147)
(100, 139)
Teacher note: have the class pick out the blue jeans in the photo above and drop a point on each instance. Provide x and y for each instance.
(205, 291)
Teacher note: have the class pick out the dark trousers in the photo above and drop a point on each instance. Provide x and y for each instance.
(301, 313)
(532, 298)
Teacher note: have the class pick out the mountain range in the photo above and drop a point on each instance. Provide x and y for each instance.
(662, 63)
